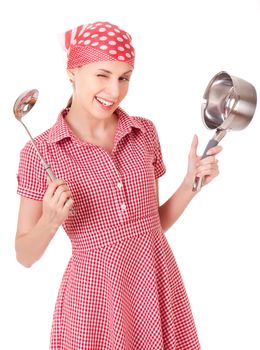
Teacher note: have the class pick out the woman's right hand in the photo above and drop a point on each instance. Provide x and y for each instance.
(57, 202)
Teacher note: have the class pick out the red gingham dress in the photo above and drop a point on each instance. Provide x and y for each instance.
(122, 289)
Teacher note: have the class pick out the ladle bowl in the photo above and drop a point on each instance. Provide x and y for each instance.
(23, 104)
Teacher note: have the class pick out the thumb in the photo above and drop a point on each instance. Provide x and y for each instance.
(194, 146)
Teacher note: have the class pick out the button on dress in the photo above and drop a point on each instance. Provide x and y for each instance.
(122, 289)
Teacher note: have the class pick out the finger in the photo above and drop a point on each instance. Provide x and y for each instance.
(194, 146)
(68, 204)
(206, 166)
(207, 170)
(209, 178)
(207, 160)
(52, 187)
(63, 197)
(59, 191)
(214, 150)
(203, 164)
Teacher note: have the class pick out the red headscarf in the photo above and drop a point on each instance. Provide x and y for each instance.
(99, 41)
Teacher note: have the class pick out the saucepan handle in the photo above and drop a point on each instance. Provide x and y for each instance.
(198, 183)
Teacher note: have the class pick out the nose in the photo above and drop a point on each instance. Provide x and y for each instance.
(113, 89)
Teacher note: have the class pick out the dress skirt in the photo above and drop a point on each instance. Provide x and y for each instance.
(127, 295)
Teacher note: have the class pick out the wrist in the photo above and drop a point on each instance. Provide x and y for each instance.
(188, 182)
(187, 185)
(47, 226)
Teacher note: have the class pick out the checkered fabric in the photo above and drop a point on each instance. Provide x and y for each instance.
(122, 289)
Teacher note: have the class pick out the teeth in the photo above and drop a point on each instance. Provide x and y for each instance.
(104, 102)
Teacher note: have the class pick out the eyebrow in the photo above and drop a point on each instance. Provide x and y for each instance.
(108, 72)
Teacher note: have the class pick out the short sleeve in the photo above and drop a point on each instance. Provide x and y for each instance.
(31, 177)
(159, 166)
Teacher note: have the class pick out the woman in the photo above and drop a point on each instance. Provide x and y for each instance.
(122, 288)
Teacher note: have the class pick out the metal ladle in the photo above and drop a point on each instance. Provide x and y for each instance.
(22, 106)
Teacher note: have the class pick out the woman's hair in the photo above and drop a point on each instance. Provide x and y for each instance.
(69, 103)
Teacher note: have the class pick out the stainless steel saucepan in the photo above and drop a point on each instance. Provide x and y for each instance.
(229, 104)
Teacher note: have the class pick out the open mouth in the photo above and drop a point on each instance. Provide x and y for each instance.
(104, 102)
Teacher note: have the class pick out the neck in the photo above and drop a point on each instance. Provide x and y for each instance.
(86, 126)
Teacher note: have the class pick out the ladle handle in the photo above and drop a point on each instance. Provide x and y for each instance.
(50, 172)
(53, 177)
(198, 183)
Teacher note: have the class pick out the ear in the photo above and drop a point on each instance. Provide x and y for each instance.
(71, 74)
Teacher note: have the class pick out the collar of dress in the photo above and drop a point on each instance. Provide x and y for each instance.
(61, 130)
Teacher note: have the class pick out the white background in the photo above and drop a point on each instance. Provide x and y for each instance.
(180, 46)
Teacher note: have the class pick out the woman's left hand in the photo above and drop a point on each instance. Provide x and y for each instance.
(197, 167)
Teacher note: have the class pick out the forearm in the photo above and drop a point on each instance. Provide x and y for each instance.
(31, 245)
(173, 208)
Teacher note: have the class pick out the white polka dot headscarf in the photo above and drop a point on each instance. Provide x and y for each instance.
(99, 41)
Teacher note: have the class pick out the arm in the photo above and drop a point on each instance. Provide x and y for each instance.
(38, 221)
(33, 233)
(173, 208)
